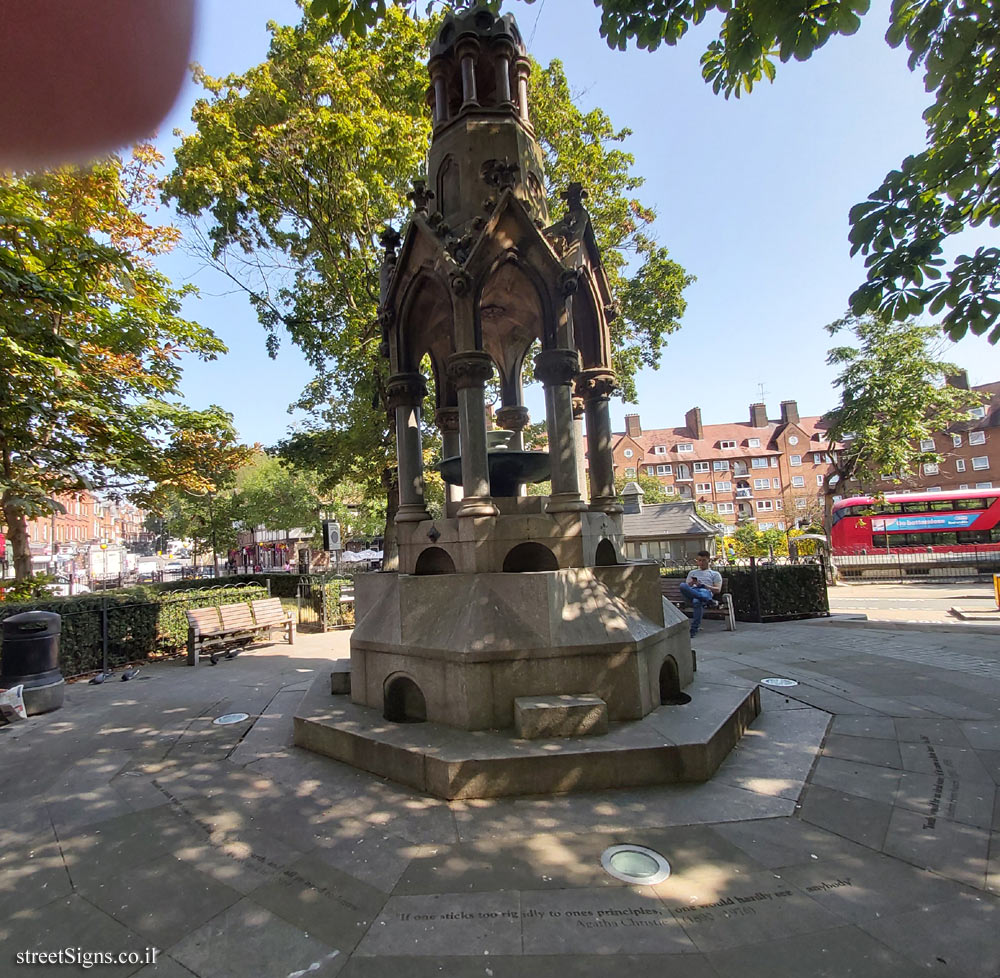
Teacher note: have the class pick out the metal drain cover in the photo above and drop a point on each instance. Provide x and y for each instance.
(635, 864)
(228, 718)
(775, 681)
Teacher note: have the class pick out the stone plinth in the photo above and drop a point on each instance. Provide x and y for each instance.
(473, 643)
(671, 744)
(559, 716)
(485, 544)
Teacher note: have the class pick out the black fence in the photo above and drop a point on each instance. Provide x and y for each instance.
(771, 589)
(917, 565)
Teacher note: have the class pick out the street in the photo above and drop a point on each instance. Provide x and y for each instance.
(917, 602)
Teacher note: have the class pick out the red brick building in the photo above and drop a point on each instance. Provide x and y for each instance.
(87, 520)
(773, 471)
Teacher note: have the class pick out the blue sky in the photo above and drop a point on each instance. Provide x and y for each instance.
(752, 197)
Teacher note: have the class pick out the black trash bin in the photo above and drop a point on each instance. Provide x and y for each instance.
(29, 656)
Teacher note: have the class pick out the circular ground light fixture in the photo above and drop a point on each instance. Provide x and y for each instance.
(776, 681)
(635, 864)
(229, 718)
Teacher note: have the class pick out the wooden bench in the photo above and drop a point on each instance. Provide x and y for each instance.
(231, 626)
(721, 607)
(269, 614)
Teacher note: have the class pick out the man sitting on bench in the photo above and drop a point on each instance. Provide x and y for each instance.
(700, 588)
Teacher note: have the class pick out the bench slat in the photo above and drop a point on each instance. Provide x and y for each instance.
(236, 616)
(204, 620)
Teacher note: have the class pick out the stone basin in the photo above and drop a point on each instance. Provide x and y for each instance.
(507, 470)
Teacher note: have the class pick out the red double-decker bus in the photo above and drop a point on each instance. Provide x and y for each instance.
(940, 522)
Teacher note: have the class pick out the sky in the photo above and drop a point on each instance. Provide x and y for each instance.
(752, 197)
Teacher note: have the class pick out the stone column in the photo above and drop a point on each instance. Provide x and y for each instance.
(440, 87)
(405, 394)
(447, 422)
(556, 370)
(581, 461)
(523, 71)
(469, 372)
(504, 51)
(468, 52)
(596, 386)
(514, 417)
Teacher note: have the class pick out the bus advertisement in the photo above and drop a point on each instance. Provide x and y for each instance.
(935, 522)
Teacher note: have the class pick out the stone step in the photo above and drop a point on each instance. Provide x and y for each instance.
(560, 716)
(340, 677)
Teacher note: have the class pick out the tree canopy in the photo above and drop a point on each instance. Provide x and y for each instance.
(950, 185)
(296, 165)
(91, 340)
(893, 394)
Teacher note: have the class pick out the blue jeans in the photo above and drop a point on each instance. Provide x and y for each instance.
(697, 597)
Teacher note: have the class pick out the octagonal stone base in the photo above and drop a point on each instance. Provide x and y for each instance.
(473, 643)
(670, 744)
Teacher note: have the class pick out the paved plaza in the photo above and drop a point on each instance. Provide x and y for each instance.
(855, 831)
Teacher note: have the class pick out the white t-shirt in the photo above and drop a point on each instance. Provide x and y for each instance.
(706, 578)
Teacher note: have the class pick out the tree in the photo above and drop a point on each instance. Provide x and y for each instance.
(893, 394)
(297, 164)
(653, 490)
(946, 187)
(90, 341)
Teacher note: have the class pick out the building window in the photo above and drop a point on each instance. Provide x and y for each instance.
(630, 472)
(927, 444)
(664, 469)
(819, 480)
(800, 504)
(701, 466)
(778, 504)
(708, 507)
(764, 504)
(725, 507)
(758, 463)
(798, 481)
(685, 446)
(984, 485)
(930, 468)
(727, 444)
(964, 485)
(753, 443)
(959, 464)
(628, 452)
(774, 461)
(981, 462)
(762, 483)
(977, 412)
(720, 465)
(660, 450)
(650, 470)
(703, 487)
(933, 489)
(977, 437)
(723, 487)
(765, 526)
(956, 441)
(795, 460)
(776, 483)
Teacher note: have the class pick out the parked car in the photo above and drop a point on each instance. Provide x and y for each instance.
(173, 570)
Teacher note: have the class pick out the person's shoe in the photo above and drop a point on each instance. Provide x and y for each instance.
(695, 632)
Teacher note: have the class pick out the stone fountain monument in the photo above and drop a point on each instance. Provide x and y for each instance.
(515, 651)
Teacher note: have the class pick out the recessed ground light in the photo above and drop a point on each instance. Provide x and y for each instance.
(774, 681)
(635, 864)
(228, 718)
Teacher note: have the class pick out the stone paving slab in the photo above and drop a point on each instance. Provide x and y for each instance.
(238, 854)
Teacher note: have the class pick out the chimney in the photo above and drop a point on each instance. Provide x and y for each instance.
(961, 379)
(789, 412)
(632, 497)
(693, 421)
(758, 415)
(632, 427)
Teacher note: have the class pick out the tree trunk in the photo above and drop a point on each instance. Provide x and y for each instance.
(390, 550)
(17, 533)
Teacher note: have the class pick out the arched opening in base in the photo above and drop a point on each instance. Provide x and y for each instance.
(403, 701)
(526, 557)
(670, 684)
(605, 555)
(434, 560)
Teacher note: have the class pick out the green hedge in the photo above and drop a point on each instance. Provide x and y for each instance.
(281, 585)
(786, 591)
(142, 621)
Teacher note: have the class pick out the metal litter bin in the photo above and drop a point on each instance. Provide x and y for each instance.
(29, 656)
